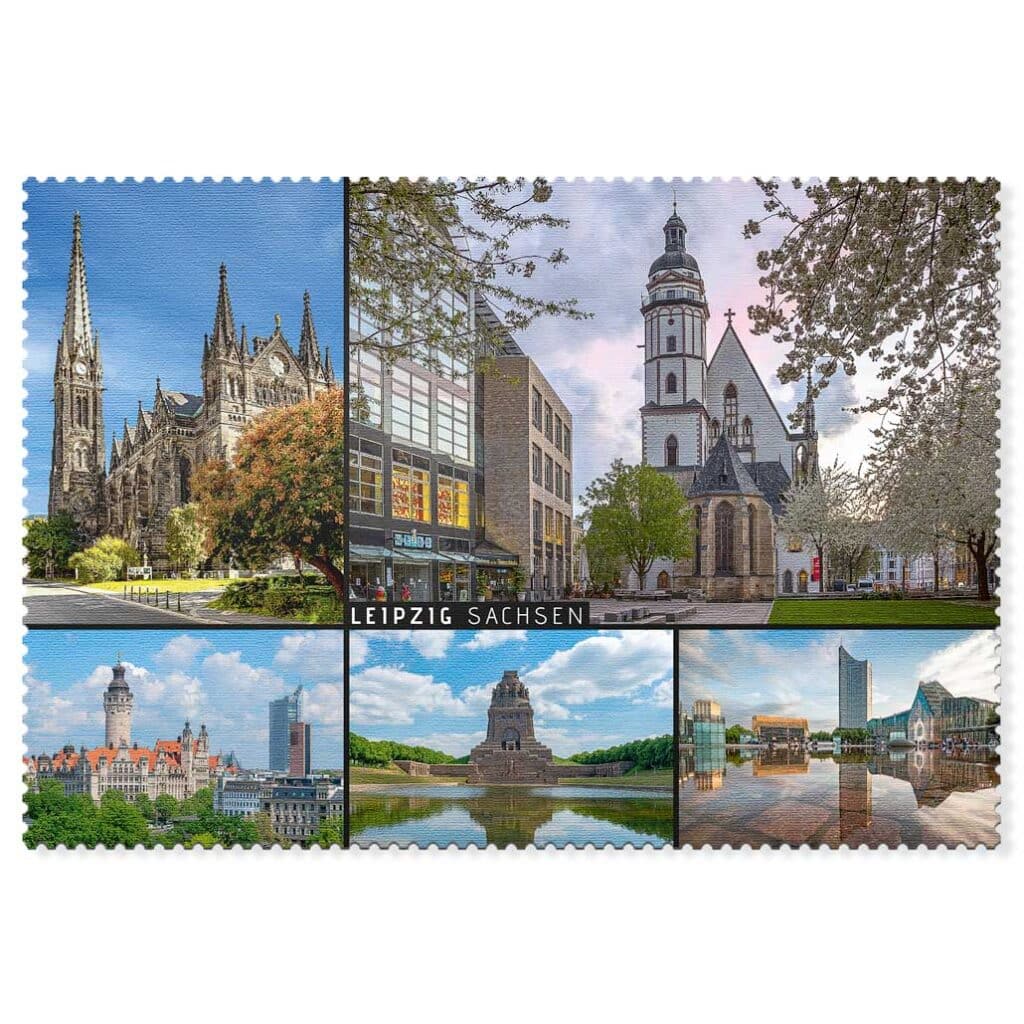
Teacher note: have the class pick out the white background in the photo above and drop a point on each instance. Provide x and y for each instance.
(535, 88)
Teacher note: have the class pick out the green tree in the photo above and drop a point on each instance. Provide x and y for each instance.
(419, 249)
(186, 538)
(50, 542)
(330, 832)
(120, 821)
(264, 829)
(638, 515)
(145, 807)
(166, 807)
(107, 559)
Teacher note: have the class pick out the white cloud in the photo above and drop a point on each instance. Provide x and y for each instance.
(487, 639)
(390, 694)
(180, 652)
(317, 654)
(598, 667)
(967, 668)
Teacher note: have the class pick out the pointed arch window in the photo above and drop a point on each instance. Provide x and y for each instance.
(715, 430)
(698, 520)
(671, 451)
(670, 384)
(748, 431)
(787, 582)
(724, 526)
(752, 537)
(732, 411)
(802, 581)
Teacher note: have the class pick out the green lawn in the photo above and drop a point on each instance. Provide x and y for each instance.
(856, 612)
(174, 586)
(654, 779)
(394, 776)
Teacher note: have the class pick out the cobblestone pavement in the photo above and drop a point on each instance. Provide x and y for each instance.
(746, 613)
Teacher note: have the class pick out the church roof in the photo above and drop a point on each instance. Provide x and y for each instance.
(672, 261)
(77, 334)
(773, 481)
(724, 473)
(181, 403)
(934, 693)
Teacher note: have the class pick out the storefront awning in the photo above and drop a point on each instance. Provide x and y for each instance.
(491, 554)
(367, 552)
(404, 555)
(455, 556)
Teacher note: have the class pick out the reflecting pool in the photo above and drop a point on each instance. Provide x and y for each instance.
(792, 797)
(460, 815)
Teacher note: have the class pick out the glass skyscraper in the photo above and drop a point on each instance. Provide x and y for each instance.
(283, 713)
(855, 697)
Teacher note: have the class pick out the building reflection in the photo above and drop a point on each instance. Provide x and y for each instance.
(854, 796)
(934, 775)
(781, 761)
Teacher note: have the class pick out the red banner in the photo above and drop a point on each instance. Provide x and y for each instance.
(816, 568)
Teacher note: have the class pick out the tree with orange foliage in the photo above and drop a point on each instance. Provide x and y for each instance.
(283, 492)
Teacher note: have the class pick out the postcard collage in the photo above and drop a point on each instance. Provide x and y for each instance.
(511, 512)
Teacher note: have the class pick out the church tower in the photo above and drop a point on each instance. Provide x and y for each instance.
(675, 311)
(78, 464)
(224, 378)
(117, 709)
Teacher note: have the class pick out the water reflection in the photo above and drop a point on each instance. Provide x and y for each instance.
(790, 796)
(510, 815)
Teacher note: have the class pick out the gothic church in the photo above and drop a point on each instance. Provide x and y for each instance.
(151, 463)
(715, 430)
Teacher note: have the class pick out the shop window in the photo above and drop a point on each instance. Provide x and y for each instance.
(410, 488)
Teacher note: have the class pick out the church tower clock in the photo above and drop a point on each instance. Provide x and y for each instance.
(675, 311)
(78, 463)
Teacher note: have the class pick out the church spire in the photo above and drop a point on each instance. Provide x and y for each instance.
(809, 426)
(309, 349)
(76, 336)
(223, 321)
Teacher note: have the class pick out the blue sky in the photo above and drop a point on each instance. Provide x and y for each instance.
(615, 233)
(151, 254)
(796, 672)
(223, 678)
(588, 690)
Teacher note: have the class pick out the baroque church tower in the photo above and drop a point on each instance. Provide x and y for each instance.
(675, 310)
(78, 462)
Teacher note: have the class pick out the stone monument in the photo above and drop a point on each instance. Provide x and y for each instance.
(511, 753)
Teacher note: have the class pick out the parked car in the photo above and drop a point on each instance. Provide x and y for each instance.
(865, 583)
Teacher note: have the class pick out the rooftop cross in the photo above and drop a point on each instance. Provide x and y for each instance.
(729, 314)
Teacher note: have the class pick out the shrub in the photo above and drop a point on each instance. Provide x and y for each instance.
(107, 559)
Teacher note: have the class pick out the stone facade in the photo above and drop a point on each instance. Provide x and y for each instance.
(152, 462)
(696, 413)
(528, 472)
(176, 767)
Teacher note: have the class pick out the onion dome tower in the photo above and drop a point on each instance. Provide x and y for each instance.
(675, 314)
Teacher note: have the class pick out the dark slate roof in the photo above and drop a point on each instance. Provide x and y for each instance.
(773, 480)
(723, 473)
(672, 260)
(183, 404)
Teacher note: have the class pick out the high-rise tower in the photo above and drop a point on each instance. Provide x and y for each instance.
(855, 691)
(675, 310)
(117, 709)
(78, 464)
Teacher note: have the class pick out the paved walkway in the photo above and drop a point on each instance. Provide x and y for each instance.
(63, 604)
(714, 613)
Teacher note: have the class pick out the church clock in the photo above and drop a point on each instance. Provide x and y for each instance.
(81, 369)
(277, 365)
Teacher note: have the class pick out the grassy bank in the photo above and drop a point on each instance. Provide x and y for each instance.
(658, 778)
(174, 586)
(855, 612)
(359, 776)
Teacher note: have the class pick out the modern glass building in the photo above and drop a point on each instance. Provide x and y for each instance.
(283, 713)
(855, 691)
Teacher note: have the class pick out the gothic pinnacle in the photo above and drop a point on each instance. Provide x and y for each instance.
(223, 321)
(77, 333)
(309, 348)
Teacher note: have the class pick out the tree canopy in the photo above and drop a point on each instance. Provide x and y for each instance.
(186, 538)
(419, 248)
(106, 559)
(637, 515)
(283, 492)
(50, 542)
(904, 272)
